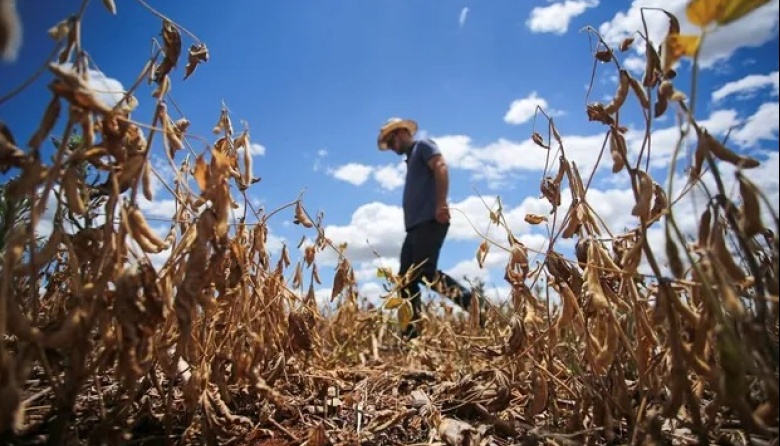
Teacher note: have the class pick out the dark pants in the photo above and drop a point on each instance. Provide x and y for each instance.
(423, 244)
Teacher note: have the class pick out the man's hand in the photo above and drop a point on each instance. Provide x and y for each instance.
(443, 214)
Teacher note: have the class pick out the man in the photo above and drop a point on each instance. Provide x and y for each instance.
(426, 216)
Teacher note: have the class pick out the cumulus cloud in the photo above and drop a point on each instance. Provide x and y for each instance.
(390, 177)
(353, 173)
(255, 149)
(523, 110)
(747, 86)
(752, 30)
(464, 13)
(762, 125)
(556, 17)
(373, 226)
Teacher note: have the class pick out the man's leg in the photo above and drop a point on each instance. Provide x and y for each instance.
(444, 284)
(410, 291)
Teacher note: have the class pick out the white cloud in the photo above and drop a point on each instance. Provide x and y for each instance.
(256, 149)
(523, 110)
(748, 85)
(463, 15)
(635, 65)
(752, 30)
(556, 17)
(373, 226)
(763, 125)
(390, 176)
(353, 173)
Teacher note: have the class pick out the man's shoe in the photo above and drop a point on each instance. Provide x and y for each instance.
(410, 332)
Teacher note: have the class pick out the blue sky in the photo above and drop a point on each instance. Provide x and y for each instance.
(315, 80)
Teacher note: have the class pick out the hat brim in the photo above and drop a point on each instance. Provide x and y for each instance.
(407, 124)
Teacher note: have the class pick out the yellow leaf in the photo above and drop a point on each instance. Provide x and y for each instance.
(405, 314)
(393, 302)
(679, 45)
(703, 12)
(735, 9)
(201, 172)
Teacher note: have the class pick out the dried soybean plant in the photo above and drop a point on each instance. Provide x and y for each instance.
(87, 304)
(114, 329)
(689, 350)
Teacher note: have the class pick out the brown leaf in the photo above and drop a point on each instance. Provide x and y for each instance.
(708, 144)
(300, 216)
(534, 219)
(574, 222)
(618, 150)
(642, 207)
(705, 224)
(660, 106)
(723, 257)
(652, 66)
(110, 6)
(750, 215)
(10, 32)
(197, 54)
(639, 92)
(572, 313)
(660, 203)
(516, 339)
(482, 252)
(201, 173)
(604, 55)
(171, 50)
(592, 286)
(537, 138)
(597, 112)
(620, 95)
(317, 436)
(457, 433)
(625, 45)
(538, 401)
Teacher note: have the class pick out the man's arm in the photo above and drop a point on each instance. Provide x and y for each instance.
(440, 175)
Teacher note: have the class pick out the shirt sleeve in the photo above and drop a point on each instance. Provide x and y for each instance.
(428, 148)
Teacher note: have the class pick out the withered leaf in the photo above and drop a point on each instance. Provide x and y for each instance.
(604, 55)
(171, 50)
(618, 150)
(300, 216)
(405, 314)
(660, 203)
(197, 54)
(110, 6)
(642, 207)
(625, 45)
(393, 302)
(705, 224)
(537, 138)
(534, 219)
(540, 396)
(750, 217)
(620, 94)
(722, 255)
(708, 144)
(482, 253)
(201, 173)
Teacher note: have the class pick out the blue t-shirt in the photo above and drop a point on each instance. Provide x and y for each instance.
(420, 187)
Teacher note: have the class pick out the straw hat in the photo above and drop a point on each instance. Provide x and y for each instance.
(394, 124)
